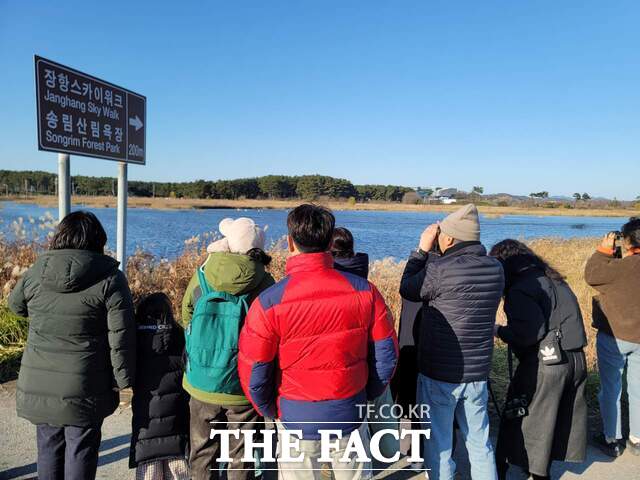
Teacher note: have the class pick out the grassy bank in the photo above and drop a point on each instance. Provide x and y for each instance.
(148, 274)
(186, 203)
(13, 335)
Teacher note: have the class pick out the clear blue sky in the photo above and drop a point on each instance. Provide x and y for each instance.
(513, 96)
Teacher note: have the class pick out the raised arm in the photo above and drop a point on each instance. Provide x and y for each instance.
(601, 269)
(413, 277)
(416, 284)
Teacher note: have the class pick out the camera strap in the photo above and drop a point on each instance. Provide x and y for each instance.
(494, 400)
(510, 361)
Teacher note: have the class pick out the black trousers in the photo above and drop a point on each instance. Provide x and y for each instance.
(68, 453)
(555, 427)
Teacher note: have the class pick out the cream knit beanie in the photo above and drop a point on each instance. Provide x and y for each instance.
(463, 224)
(240, 236)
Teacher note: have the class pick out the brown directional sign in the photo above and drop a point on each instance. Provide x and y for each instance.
(83, 115)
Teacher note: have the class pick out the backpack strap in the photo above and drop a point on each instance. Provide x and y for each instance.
(205, 289)
(245, 304)
(211, 293)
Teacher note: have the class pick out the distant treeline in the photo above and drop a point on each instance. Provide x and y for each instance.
(270, 186)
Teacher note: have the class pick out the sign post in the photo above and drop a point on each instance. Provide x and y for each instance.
(84, 115)
(64, 181)
(121, 245)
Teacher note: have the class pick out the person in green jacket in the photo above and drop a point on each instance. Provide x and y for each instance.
(80, 348)
(213, 310)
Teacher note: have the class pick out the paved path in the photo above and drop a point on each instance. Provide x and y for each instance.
(18, 452)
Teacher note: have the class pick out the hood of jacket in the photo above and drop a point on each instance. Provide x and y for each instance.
(358, 264)
(66, 271)
(233, 273)
(519, 268)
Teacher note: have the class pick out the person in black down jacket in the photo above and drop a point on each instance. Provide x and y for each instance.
(538, 303)
(160, 424)
(80, 349)
(460, 290)
(344, 257)
(347, 260)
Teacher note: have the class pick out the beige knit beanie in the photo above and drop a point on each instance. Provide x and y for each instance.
(463, 224)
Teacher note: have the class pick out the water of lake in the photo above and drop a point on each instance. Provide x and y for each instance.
(381, 234)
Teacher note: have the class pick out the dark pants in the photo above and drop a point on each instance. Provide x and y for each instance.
(68, 452)
(204, 450)
(555, 427)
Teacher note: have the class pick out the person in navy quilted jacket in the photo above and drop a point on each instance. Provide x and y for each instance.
(460, 288)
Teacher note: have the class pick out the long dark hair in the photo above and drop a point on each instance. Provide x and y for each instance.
(79, 230)
(342, 243)
(516, 257)
(260, 255)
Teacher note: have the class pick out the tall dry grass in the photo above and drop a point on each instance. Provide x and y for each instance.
(149, 274)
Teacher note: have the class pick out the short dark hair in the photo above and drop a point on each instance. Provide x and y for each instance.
(79, 230)
(311, 227)
(631, 231)
(342, 243)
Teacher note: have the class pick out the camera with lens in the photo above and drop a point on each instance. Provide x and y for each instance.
(436, 244)
(618, 243)
(517, 407)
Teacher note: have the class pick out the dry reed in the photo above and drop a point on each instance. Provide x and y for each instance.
(148, 274)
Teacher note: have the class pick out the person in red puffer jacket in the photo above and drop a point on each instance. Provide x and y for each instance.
(317, 344)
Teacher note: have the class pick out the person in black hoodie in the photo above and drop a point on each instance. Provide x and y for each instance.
(160, 424)
(344, 257)
(540, 305)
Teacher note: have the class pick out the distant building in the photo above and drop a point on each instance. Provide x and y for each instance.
(438, 195)
(445, 192)
(423, 194)
(445, 196)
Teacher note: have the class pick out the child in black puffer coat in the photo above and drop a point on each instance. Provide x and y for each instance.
(160, 425)
(345, 258)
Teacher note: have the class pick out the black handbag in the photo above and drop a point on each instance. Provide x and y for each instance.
(550, 350)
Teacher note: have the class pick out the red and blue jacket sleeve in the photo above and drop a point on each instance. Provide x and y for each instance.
(383, 347)
(258, 346)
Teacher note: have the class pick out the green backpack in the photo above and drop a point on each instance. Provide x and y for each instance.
(212, 340)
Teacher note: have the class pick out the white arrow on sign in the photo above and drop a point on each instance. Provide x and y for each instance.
(135, 122)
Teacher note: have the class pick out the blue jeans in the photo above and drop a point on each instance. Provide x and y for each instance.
(613, 356)
(466, 403)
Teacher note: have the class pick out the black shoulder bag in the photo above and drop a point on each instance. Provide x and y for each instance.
(550, 350)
